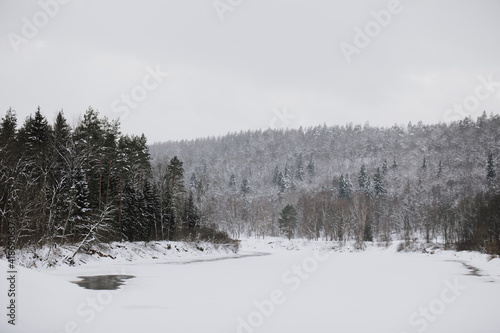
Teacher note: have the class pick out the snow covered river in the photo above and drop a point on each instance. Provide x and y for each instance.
(285, 291)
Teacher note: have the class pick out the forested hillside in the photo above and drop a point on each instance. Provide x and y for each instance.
(357, 182)
(88, 184)
(93, 184)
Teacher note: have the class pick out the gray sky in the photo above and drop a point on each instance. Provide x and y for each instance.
(250, 64)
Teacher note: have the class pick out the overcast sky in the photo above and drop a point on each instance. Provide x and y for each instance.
(250, 64)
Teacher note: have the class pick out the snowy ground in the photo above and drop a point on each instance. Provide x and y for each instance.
(297, 287)
(118, 252)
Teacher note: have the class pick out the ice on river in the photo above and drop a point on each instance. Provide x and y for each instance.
(301, 290)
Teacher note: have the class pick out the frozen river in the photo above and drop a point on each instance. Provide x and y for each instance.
(284, 291)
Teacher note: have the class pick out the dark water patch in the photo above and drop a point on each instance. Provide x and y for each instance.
(474, 271)
(102, 282)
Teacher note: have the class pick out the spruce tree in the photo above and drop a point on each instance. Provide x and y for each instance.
(345, 188)
(79, 207)
(288, 221)
(8, 137)
(61, 140)
(364, 181)
(36, 136)
(192, 182)
(88, 137)
(174, 179)
(378, 184)
(9, 157)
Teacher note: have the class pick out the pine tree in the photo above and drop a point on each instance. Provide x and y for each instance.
(288, 221)
(378, 184)
(175, 175)
(75, 185)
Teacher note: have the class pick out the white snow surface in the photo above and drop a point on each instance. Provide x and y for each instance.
(117, 252)
(272, 285)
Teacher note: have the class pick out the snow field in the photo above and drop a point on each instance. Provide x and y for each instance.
(298, 287)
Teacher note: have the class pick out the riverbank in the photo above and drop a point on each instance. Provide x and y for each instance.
(47, 258)
(118, 252)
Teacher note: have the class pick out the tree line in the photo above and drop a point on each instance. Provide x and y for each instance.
(89, 184)
(353, 182)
